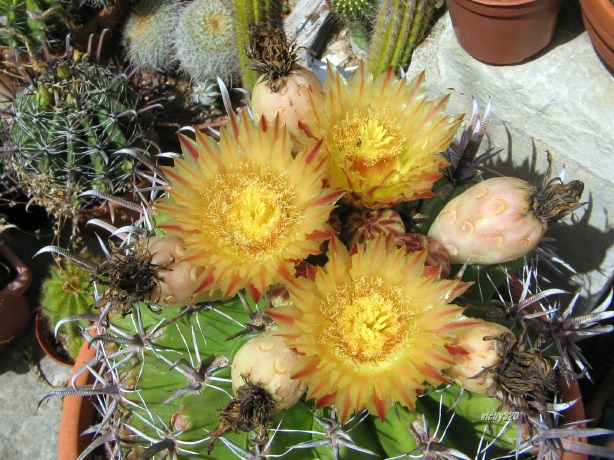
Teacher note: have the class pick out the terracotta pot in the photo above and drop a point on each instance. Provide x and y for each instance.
(47, 341)
(573, 414)
(78, 412)
(504, 31)
(598, 17)
(14, 308)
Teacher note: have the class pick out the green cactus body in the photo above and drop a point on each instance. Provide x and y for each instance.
(353, 10)
(67, 291)
(148, 34)
(399, 27)
(30, 23)
(65, 133)
(205, 42)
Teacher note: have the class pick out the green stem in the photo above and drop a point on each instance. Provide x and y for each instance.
(399, 28)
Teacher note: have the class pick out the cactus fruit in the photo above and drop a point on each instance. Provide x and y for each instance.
(266, 361)
(177, 280)
(69, 133)
(147, 37)
(205, 42)
(67, 291)
(475, 350)
(501, 219)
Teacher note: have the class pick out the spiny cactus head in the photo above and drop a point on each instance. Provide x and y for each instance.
(147, 37)
(67, 291)
(205, 41)
(65, 133)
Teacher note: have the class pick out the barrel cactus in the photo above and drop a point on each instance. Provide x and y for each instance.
(75, 129)
(280, 299)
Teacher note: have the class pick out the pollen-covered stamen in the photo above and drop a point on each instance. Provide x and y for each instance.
(251, 213)
(369, 139)
(370, 323)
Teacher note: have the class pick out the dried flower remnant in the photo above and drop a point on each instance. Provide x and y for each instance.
(285, 88)
(371, 329)
(247, 210)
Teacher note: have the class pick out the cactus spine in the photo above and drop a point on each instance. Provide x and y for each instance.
(264, 12)
(32, 23)
(399, 27)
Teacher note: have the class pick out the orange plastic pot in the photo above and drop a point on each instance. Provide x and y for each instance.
(78, 412)
(504, 31)
(14, 308)
(598, 17)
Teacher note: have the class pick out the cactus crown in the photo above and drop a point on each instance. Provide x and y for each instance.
(148, 34)
(205, 41)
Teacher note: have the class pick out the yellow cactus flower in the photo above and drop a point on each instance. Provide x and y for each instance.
(382, 137)
(247, 210)
(371, 329)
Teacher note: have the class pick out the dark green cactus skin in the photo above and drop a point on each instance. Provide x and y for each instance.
(30, 23)
(67, 291)
(66, 130)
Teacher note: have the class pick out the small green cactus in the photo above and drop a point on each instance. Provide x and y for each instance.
(68, 134)
(205, 42)
(32, 23)
(147, 37)
(67, 291)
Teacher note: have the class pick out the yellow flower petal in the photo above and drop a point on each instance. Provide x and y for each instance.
(247, 210)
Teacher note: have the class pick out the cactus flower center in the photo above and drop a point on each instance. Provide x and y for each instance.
(251, 213)
(370, 323)
(370, 140)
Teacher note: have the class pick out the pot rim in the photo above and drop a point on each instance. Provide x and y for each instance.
(22, 281)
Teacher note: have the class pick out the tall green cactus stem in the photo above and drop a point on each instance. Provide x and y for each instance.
(400, 26)
(246, 12)
(68, 134)
(205, 42)
(148, 34)
(67, 291)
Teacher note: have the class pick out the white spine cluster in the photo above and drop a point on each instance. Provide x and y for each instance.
(148, 34)
(205, 41)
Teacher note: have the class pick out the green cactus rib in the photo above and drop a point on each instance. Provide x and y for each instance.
(67, 291)
(399, 28)
(265, 12)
